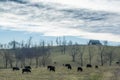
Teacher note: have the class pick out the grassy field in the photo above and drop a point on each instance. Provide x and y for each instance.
(61, 73)
(102, 73)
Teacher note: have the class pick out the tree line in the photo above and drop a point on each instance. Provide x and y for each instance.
(26, 53)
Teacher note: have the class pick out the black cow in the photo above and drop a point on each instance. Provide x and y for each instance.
(68, 66)
(117, 62)
(28, 67)
(15, 68)
(96, 66)
(26, 70)
(51, 68)
(79, 69)
(89, 66)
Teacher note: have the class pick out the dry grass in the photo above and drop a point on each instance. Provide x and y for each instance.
(62, 73)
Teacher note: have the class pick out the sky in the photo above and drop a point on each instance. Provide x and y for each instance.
(77, 20)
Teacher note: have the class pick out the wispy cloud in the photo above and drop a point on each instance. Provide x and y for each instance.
(51, 19)
(106, 5)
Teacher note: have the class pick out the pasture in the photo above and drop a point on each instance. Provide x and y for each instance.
(62, 73)
(109, 71)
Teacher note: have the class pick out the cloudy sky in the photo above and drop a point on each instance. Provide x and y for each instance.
(47, 19)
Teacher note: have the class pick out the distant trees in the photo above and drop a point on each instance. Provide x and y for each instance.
(7, 58)
(26, 53)
(106, 53)
(61, 44)
(58, 41)
(15, 52)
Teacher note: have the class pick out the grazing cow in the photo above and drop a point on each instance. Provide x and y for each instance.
(89, 66)
(96, 66)
(51, 68)
(117, 62)
(68, 66)
(26, 70)
(15, 68)
(79, 69)
(27, 67)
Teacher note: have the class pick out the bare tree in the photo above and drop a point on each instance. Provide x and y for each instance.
(29, 42)
(81, 52)
(14, 48)
(101, 53)
(8, 57)
(74, 51)
(5, 57)
(20, 55)
(63, 46)
(29, 50)
(37, 53)
(45, 54)
(57, 41)
(90, 49)
(14, 44)
(110, 54)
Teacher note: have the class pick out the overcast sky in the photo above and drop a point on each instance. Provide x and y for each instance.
(89, 19)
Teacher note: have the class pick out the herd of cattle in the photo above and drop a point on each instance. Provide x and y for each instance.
(26, 69)
(52, 68)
